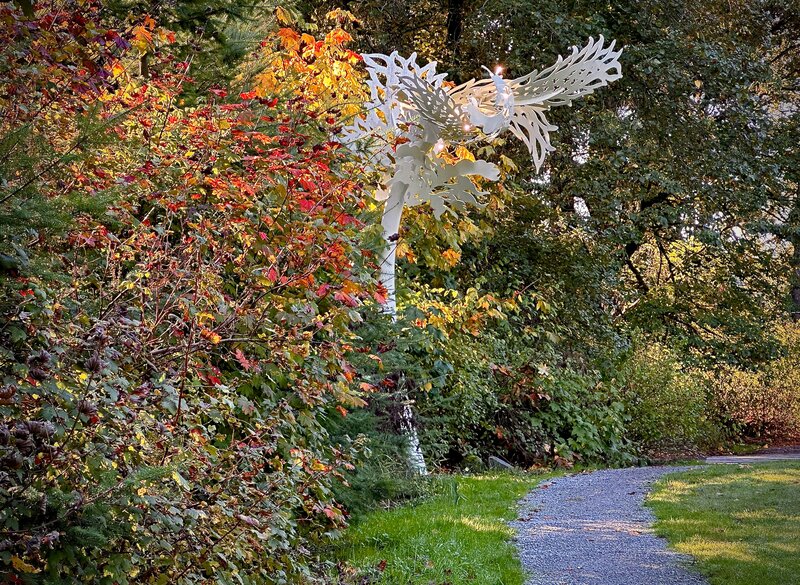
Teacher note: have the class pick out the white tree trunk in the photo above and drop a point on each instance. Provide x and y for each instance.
(392, 214)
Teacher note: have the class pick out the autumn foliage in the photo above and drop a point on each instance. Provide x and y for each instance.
(168, 360)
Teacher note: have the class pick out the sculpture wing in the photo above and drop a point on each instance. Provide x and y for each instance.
(568, 79)
(434, 105)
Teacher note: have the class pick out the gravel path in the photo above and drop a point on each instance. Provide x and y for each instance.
(591, 528)
(783, 453)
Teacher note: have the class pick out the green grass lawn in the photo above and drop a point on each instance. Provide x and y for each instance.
(458, 536)
(741, 522)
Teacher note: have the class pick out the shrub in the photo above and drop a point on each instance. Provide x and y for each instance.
(670, 405)
(484, 387)
(164, 387)
(528, 415)
(763, 404)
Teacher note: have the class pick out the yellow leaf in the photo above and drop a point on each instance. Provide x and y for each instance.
(508, 163)
(203, 317)
(283, 16)
(463, 154)
(21, 565)
(403, 251)
(341, 16)
(265, 82)
(180, 480)
(451, 257)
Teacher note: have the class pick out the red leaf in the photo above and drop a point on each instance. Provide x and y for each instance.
(242, 359)
(345, 298)
(345, 219)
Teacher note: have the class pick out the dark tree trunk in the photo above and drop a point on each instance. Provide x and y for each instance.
(455, 20)
(794, 264)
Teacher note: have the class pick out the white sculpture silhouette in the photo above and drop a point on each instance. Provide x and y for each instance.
(412, 117)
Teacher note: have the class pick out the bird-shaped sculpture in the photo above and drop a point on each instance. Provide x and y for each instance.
(413, 116)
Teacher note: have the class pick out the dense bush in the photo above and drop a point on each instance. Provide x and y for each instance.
(511, 404)
(669, 404)
(765, 403)
(165, 379)
(484, 385)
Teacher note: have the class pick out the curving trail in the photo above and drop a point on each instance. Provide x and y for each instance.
(592, 529)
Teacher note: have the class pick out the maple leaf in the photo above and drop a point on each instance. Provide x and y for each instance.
(242, 359)
(338, 36)
(345, 298)
(451, 256)
(290, 39)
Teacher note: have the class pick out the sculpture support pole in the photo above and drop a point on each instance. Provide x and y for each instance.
(392, 215)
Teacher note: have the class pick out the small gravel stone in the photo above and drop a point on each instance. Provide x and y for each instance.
(591, 528)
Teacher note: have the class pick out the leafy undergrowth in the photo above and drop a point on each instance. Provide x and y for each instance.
(741, 523)
(458, 536)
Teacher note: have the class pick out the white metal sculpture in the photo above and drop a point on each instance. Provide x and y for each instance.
(413, 116)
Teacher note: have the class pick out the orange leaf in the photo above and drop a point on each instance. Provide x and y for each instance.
(338, 37)
(290, 39)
